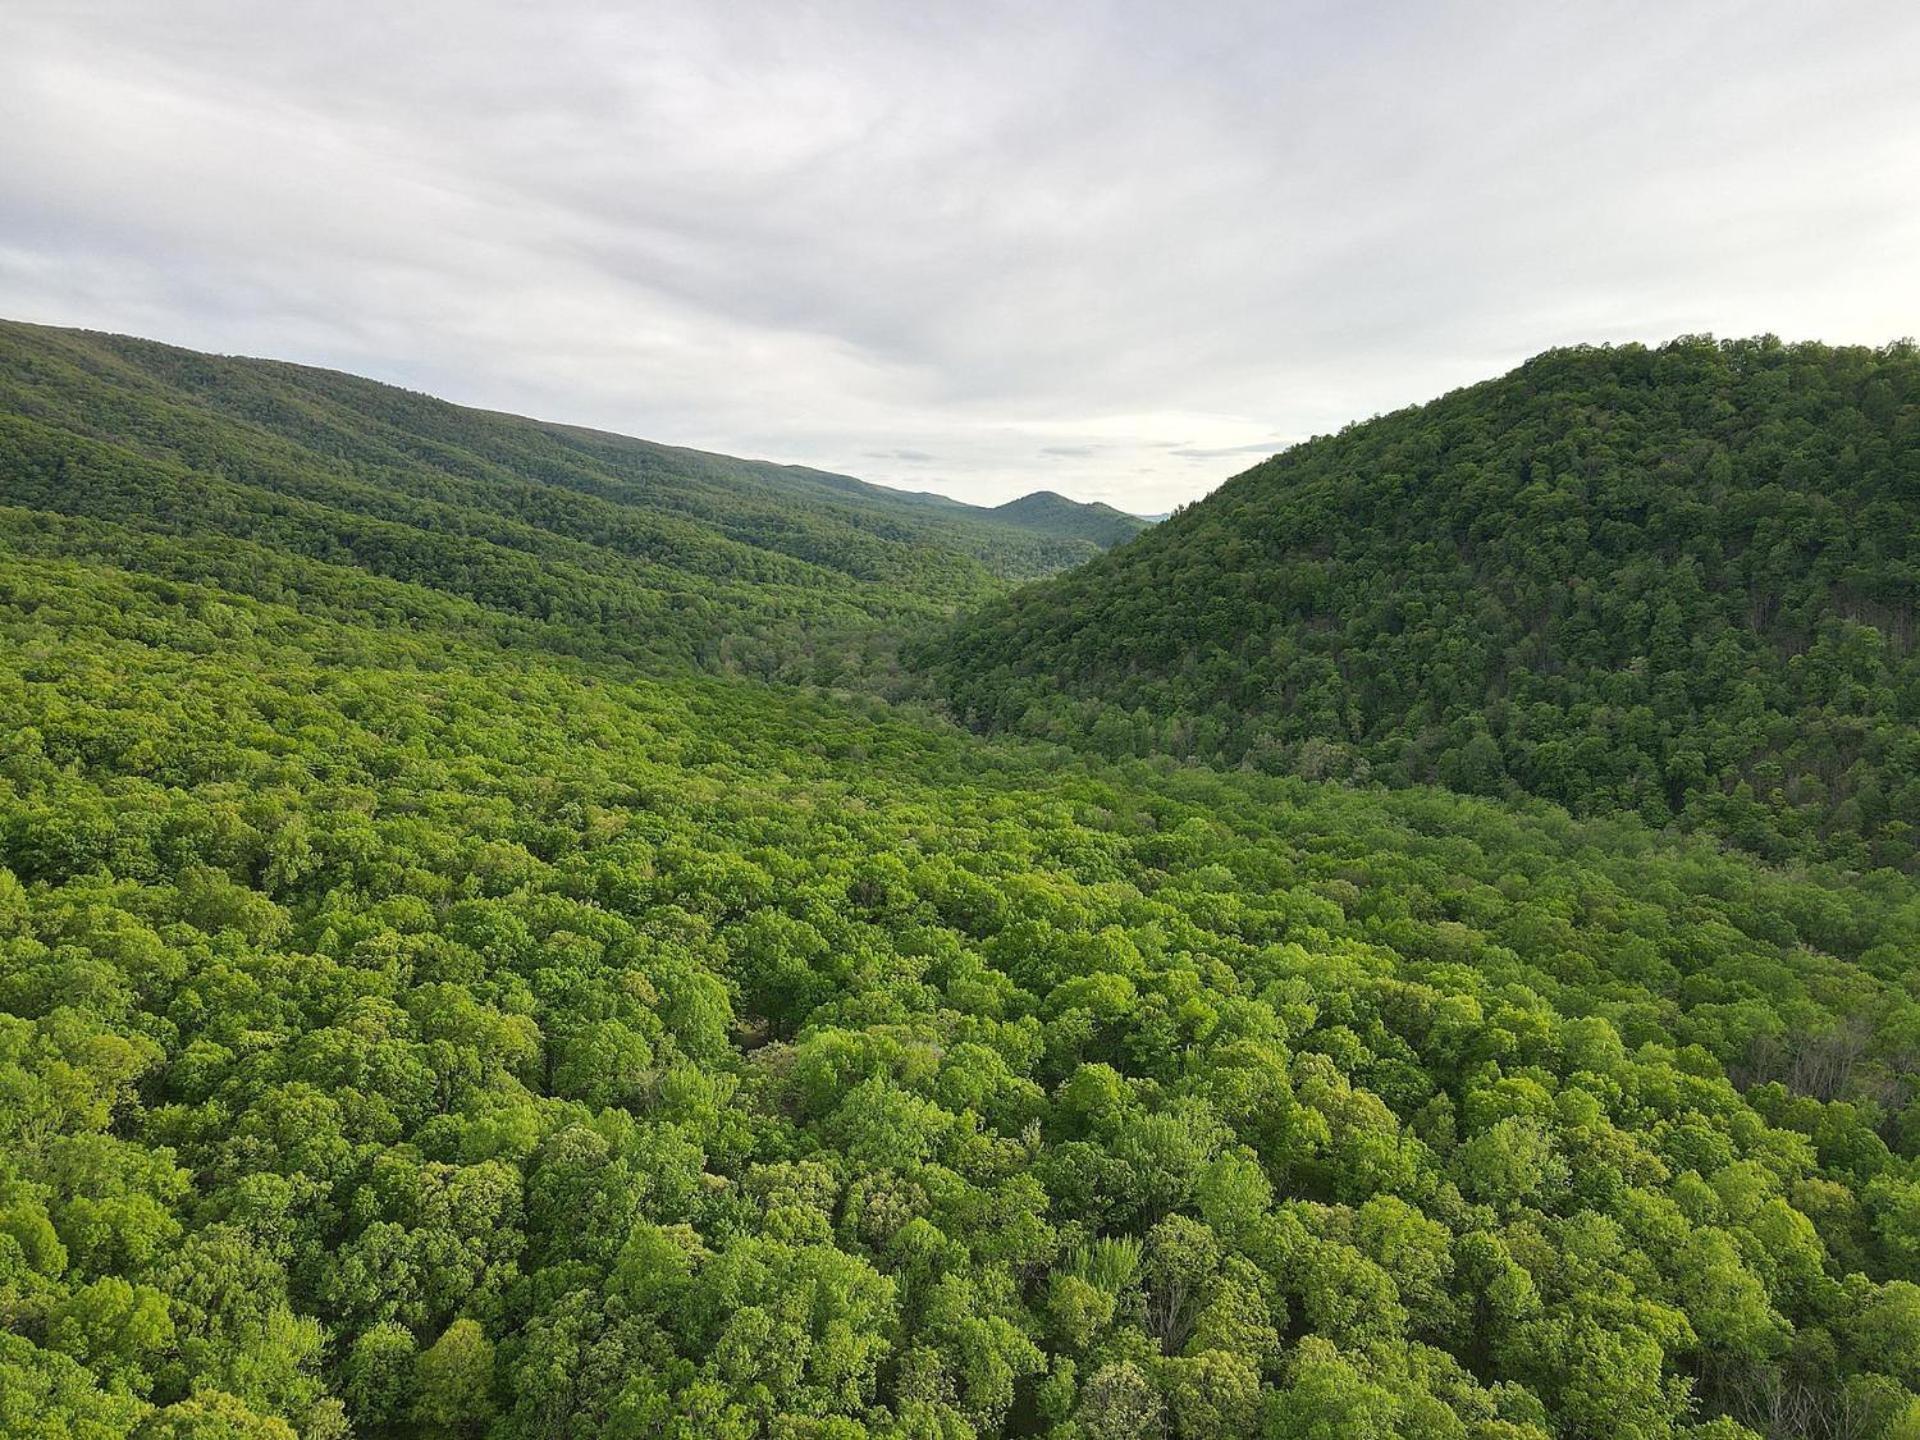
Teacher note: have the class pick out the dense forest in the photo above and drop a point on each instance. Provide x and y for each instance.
(603, 542)
(433, 1006)
(1681, 581)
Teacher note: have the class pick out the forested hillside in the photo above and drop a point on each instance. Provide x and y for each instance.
(431, 1010)
(628, 547)
(1056, 515)
(1678, 581)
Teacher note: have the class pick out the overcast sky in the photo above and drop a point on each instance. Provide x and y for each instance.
(1120, 251)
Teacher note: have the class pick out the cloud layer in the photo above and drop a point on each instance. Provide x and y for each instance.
(1117, 251)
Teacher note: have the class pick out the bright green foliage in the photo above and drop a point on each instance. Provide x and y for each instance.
(1682, 582)
(454, 1380)
(407, 1030)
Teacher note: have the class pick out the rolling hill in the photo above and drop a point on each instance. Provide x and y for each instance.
(1679, 581)
(193, 461)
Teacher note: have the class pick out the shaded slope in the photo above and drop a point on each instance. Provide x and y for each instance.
(1680, 581)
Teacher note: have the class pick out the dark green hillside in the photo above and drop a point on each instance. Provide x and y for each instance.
(1056, 515)
(646, 550)
(1680, 581)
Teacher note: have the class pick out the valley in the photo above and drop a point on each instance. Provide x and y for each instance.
(514, 931)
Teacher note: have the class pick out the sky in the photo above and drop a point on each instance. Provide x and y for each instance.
(1119, 251)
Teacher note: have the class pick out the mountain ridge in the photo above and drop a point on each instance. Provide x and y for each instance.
(849, 485)
(530, 519)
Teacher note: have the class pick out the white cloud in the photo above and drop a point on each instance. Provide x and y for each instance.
(1109, 250)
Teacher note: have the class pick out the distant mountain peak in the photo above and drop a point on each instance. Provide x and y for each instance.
(1052, 513)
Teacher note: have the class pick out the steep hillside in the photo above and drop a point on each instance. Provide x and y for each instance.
(1053, 514)
(1679, 581)
(185, 461)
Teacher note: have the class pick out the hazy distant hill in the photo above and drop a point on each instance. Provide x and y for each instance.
(1052, 514)
(661, 551)
(1682, 581)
